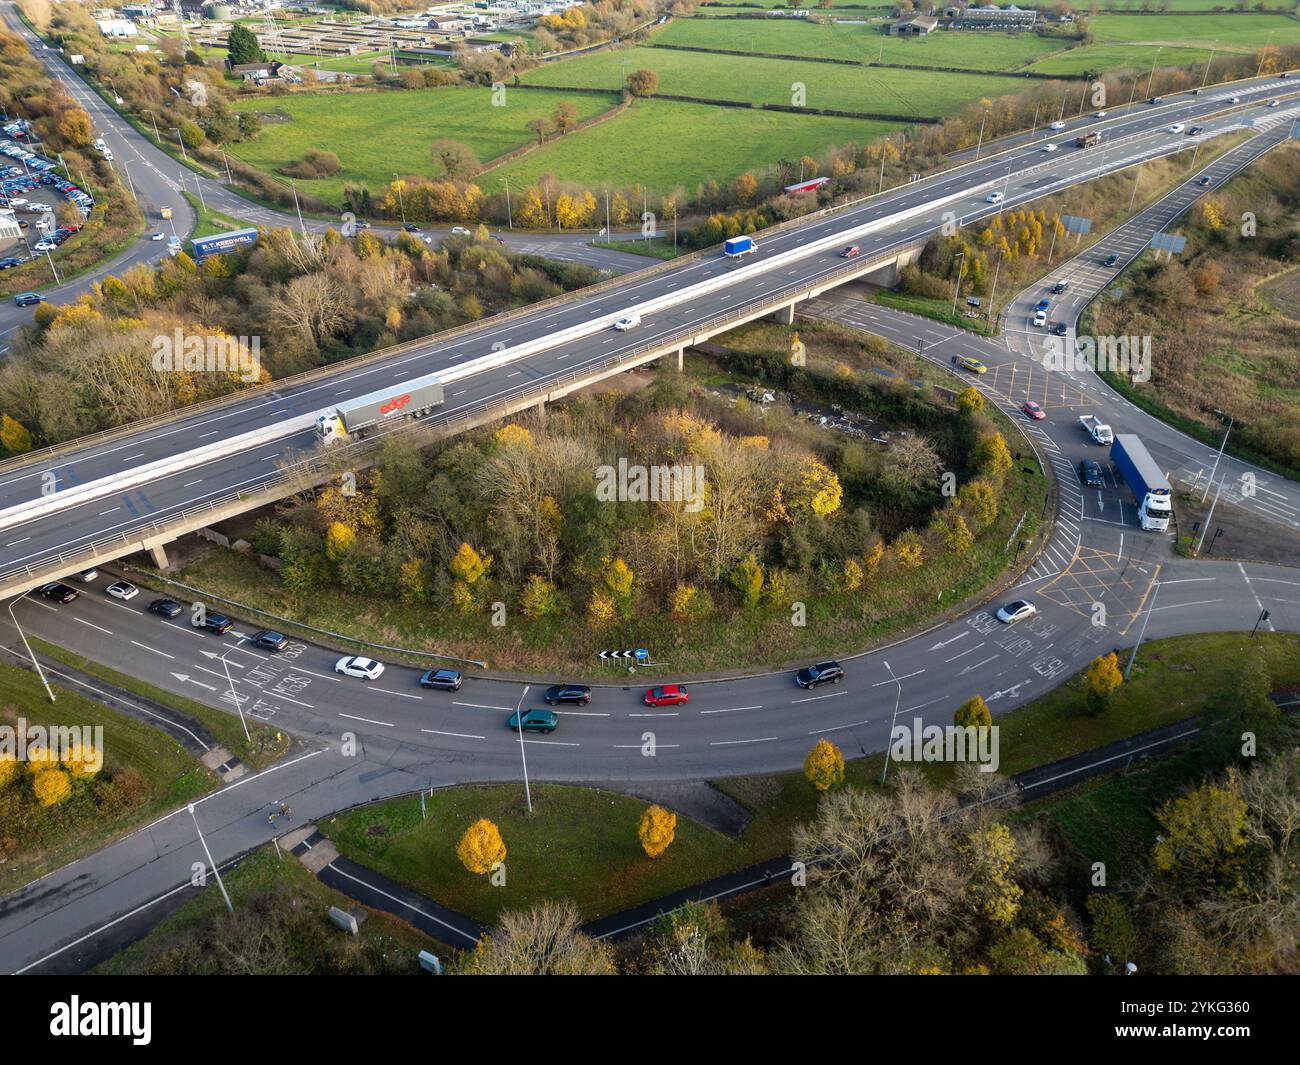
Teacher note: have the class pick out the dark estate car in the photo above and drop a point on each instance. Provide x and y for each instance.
(59, 593)
(218, 623)
(1110, 260)
(822, 673)
(446, 679)
(568, 693)
(534, 721)
(167, 608)
(1090, 474)
(270, 640)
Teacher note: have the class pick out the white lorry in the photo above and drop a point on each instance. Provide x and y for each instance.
(355, 417)
(1097, 429)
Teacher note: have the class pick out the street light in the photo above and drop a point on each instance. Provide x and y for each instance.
(980, 143)
(181, 141)
(956, 290)
(1222, 445)
(39, 672)
(215, 871)
(1152, 76)
(154, 119)
(519, 720)
(898, 698)
(397, 184)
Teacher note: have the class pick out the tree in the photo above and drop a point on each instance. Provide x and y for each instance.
(14, 437)
(970, 400)
(618, 579)
(469, 566)
(745, 187)
(973, 713)
(643, 83)
(539, 599)
(51, 786)
(339, 539)
(242, 47)
(537, 127)
(75, 127)
(1204, 832)
(481, 847)
(958, 538)
(564, 117)
(544, 941)
(1104, 678)
(656, 830)
(748, 581)
(192, 134)
(824, 766)
(992, 456)
(453, 159)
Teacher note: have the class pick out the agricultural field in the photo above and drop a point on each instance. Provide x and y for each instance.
(903, 92)
(985, 51)
(378, 134)
(1133, 40)
(694, 143)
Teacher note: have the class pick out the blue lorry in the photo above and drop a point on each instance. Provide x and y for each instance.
(1149, 485)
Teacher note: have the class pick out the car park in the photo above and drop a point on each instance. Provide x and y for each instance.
(218, 623)
(448, 680)
(1033, 410)
(28, 299)
(58, 592)
(1019, 610)
(269, 640)
(630, 321)
(821, 673)
(9, 263)
(666, 695)
(534, 721)
(1090, 474)
(122, 590)
(568, 693)
(45, 245)
(360, 667)
(166, 608)
(965, 362)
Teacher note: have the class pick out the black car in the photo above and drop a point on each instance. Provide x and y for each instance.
(447, 680)
(411, 227)
(1110, 260)
(59, 593)
(1203, 182)
(28, 299)
(218, 623)
(1061, 329)
(270, 640)
(822, 673)
(568, 693)
(1090, 474)
(167, 608)
(1194, 130)
(9, 262)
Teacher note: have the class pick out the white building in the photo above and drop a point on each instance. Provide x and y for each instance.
(116, 27)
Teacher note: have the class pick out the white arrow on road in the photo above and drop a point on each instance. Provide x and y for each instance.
(1012, 691)
(231, 662)
(945, 643)
(185, 678)
(985, 662)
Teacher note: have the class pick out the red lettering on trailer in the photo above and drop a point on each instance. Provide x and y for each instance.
(395, 404)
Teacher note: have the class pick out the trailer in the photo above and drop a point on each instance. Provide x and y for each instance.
(1088, 139)
(355, 418)
(1150, 487)
(219, 243)
(735, 247)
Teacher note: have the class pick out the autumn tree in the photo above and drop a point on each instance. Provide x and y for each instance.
(1203, 835)
(973, 713)
(14, 437)
(824, 766)
(970, 400)
(546, 940)
(481, 847)
(1104, 678)
(452, 158)
(643, 82)
(992, 456)
(656, 830)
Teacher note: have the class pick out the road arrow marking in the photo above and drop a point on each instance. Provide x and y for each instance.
(945, 643)
(229, 662)
(185, 678)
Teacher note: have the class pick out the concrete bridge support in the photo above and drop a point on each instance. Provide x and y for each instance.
(158, 552)
(783, 315)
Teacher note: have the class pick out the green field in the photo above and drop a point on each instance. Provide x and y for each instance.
(378, 134)
(985, 51)
(693, 143)
(1133, 41)
(903, 92)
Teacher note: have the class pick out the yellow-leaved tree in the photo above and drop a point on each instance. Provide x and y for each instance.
(1104, 678)
(481, 847)
(824, 766)
(656, 831)
(51, 786)
(973, 713)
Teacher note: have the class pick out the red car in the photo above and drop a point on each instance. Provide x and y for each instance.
(1033, 410)
(667, 695)
(851, 252)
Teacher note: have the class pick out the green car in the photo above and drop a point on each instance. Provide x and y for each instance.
(536, 721)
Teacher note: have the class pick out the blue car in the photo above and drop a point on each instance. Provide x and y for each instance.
(1042, 305)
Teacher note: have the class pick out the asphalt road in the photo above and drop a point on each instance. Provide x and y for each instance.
(791, 258)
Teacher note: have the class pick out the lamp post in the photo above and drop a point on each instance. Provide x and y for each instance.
(39, 672)
(181, 141)
(956, 290)
(1222, 444)
(397, 184)
(1151, 77)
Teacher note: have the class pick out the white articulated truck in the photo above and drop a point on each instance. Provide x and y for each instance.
(1097, 429)
(355, 417)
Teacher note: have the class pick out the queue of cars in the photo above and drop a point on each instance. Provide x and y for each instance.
(31, 172)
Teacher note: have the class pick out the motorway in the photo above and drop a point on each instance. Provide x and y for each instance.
(410, 738)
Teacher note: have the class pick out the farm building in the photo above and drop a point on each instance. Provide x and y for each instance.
(912, 25)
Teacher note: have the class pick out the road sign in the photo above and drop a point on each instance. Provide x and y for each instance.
(617, 654)
(1075, 224)
(1170, 242)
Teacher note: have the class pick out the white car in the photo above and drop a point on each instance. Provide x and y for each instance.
(1274, 103)
(1010, 613)
(1177, 127)
(45, 245)
(86, 576)
(122, 590)
(459, 231)
(993, 197)
(17, 201)
(34, 206)
(1101, 114)
(1057, 125)
(159, 236)
(1040, 319)
(630, 322)
(361, 668)
(1049, 147)
(1235, 100)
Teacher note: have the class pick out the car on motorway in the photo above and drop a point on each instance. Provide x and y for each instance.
(965, 362)
(1110, 260)
(218, 623)
(993, 197)
(1040, 319)
(1177, 127)
(1194, 130)
(1018, 610)
(160, 235)
(1061, 329)
(269, 640)
(1060, 286)
(851, 252)
(1100, 114)
(9, 262)
(1204, 181)
(58, 592)
(359, 667)
(1033, 410)
(122, 590)
(821, 673)
(630, 321)
(1049, 147)
(28, 299)
(1057, 125)
(447, 680)
(666, 695)
(459, 231)
(86, 576)
(568, 693)
(167, 608)
(534, 721)
(1090, 474)
(1274, 103)
(410, 227)
(1234, 100)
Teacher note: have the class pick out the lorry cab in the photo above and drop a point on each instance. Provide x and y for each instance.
(330, 428)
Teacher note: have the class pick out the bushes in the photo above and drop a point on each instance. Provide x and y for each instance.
(316, 164)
